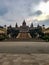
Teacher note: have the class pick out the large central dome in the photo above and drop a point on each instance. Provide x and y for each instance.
(24, 23)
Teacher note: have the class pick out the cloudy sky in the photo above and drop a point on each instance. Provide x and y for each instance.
(36, 11)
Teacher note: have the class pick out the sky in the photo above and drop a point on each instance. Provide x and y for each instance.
(33, 11)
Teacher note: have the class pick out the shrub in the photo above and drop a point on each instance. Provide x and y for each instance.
(3, 37)
(46, 37)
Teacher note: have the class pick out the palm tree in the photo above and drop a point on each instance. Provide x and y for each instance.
(43, 26)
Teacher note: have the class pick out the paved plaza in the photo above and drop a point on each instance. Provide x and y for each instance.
(24, 47)
(24, 53)
(24, 59)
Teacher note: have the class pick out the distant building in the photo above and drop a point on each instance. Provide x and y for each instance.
(24, 31)
(46, 31)
(2, 30)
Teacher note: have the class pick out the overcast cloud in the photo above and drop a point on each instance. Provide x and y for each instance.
(12, 11)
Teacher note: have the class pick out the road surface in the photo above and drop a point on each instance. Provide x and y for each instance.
(24, 47)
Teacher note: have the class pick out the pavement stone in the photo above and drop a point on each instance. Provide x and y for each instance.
(24, 59)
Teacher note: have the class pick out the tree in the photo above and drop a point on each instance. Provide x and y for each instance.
(12, 32)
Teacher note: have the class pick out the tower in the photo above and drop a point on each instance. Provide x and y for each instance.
(24, 31)
(24, 23)
(16, 25)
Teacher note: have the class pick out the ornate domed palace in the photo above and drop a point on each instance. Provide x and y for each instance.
(24, 32)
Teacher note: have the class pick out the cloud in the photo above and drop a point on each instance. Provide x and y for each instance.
(41, 19)
(45, 1)
(12, 11)
(3, 22)
(45, 22)
(3, 11)
(44, 7)
(38, 12)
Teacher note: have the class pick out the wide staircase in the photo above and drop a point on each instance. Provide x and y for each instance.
(24, 35)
